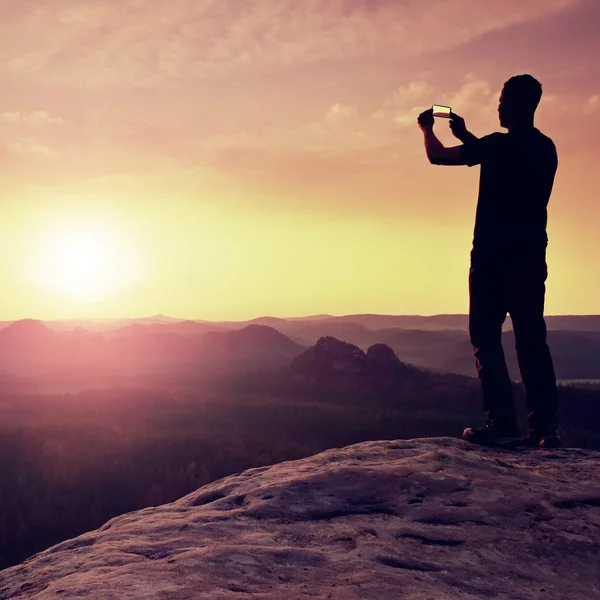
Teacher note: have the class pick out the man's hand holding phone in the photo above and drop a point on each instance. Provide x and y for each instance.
(426, 120)
(458, 127)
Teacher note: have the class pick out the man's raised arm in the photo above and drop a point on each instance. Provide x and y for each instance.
(436, 152)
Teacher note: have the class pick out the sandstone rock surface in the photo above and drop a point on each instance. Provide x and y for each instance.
(426, 519)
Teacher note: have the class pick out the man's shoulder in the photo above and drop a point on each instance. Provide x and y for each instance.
(492, 141)
(545, 139)
(547, 147)
(494, 136)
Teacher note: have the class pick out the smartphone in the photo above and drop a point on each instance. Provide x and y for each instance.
(441, 111)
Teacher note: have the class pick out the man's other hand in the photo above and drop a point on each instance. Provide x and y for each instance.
(425, 119)
(458, 127)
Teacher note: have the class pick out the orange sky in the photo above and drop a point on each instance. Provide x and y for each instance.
(217, 159)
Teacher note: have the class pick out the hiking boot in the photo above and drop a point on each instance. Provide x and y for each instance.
(494, 433)
(543, 437)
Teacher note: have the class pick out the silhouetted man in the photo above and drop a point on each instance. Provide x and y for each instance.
(508, 261)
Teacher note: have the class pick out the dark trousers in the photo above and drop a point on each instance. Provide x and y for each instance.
(515, 285)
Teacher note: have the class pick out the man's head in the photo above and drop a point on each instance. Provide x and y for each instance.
(519, 98)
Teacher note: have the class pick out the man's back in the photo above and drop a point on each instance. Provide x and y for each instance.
(517, 175)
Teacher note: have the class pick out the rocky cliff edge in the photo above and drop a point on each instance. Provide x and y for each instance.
(415, 519)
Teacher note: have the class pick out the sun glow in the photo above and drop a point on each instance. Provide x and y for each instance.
(85, 262)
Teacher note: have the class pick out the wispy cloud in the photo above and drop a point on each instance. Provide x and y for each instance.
(38, 117)
(343, 140)
(340, 142)
(592, 105)
(30, 147)
(129, 42)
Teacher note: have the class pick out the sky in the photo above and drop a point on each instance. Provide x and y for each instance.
(225, 160)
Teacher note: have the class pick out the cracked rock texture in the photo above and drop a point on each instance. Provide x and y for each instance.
(427, 519)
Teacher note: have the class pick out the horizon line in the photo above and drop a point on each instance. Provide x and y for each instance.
(312, 316)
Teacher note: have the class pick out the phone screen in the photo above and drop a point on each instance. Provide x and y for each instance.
(441, 111)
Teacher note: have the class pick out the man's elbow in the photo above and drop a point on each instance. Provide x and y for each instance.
(447, 156)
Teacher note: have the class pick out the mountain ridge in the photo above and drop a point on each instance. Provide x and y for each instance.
(370, 321)
(576, 353)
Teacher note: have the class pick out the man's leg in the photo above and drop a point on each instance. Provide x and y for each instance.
(526, 307)
(487, 313)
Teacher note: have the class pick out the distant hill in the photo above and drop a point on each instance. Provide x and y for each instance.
(349, 331)
(29, 348)
(576, 354)
(458, 321)
(434, 349)
(340, 366)
(181, 327)
(258, 345)
(574, 322)
(374, 321)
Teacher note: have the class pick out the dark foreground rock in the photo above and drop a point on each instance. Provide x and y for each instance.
(427, 519)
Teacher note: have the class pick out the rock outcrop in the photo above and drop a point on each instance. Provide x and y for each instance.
(332, 364)
(420, 519)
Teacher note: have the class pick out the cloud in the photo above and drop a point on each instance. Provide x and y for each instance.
(341, 111)
(123, 43)
(475, 95)
(340, 142)
(415, 91)
(404, 104)
(592, 105)
(38, 117)
(474, 99)
(568, 105)
(345, 139)
(30, 147)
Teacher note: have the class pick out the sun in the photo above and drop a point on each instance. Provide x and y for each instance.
(84, 262)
